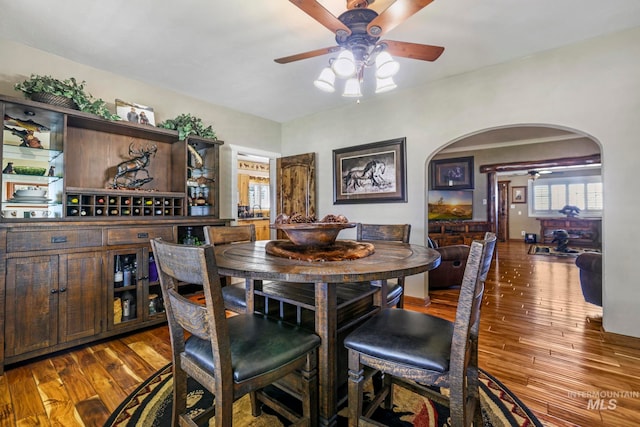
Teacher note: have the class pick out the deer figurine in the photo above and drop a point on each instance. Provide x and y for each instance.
(128, 169)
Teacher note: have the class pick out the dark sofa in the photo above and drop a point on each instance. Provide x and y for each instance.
(590, 265)
(451, 269)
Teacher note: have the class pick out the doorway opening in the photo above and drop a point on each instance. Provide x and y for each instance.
(514, 147)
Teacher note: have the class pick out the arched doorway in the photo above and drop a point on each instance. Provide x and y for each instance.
(513, 152)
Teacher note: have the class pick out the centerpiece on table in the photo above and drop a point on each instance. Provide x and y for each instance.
(307, 231)
(313, 240)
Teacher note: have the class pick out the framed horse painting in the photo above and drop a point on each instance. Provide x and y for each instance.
(370, 173)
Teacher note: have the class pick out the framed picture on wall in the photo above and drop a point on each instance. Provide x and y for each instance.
(518, 194)
(444, 205)
(370, 173)
(452, 174)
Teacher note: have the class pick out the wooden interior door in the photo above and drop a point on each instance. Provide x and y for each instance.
(503, 211)
(296, 185)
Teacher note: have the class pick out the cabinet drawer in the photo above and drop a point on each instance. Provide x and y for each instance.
(124, 236)
(51, 239)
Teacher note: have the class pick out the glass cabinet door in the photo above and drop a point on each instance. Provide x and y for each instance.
(127, 278)
(32, 163)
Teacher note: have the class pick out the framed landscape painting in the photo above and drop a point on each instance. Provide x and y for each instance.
(452, 174)
(450, 205)
(370, 173)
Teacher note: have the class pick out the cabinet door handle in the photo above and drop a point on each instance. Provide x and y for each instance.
(59, 239)
(143, 235)
(63, 290)
(54, 291)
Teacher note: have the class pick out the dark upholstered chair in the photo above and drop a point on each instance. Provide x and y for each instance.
(232, 356)
(590, 265)
(449, 273)
(417, 350)
(234, 293)
(391, 233)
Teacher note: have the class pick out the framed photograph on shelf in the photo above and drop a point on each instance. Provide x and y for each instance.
(452, 174)
(370, 173)
(135, 113)
(518, 194)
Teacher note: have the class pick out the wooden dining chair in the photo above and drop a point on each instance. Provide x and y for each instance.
(231, 356)
(390, 233)
(234, 294)
(419, 351)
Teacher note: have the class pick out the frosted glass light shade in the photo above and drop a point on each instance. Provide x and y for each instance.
(386, 66)
(352, 88)
(385, 85)
(344, 65)
(326, 80)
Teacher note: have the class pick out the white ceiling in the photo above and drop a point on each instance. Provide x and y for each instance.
(222, 51)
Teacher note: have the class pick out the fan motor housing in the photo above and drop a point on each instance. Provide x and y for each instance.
(357, 21)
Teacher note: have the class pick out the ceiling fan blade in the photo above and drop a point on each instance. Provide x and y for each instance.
(394, 15)
(306, 55)
(322, 15)
(423, 52)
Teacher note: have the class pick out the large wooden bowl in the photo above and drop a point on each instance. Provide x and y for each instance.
(313, 234)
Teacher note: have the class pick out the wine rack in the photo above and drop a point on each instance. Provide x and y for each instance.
(104, 204)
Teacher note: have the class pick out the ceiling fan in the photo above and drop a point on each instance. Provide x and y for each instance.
(358, 30)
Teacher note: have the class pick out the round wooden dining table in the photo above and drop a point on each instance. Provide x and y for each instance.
(389, 260)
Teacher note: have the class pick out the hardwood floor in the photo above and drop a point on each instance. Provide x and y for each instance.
(538, 337)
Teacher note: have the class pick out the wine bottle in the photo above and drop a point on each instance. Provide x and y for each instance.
(98, 211)
(118, 276)
(128, 305)
(83, 212)
(100, 201)
(126, 273)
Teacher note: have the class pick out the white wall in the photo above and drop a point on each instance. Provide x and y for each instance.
(592, 87)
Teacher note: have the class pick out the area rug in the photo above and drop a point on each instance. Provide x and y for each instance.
(150, 405)
(550, 250)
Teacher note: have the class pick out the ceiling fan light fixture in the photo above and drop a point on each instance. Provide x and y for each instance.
(326, 80)
(386, 66)
(345, 64)
(385, 85)
(352, 88)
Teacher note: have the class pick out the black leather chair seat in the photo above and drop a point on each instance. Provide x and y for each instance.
(258, 345)
(405, 337)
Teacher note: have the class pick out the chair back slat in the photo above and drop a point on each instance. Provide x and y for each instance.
(388, 232)
(191, 316)
(229, 234)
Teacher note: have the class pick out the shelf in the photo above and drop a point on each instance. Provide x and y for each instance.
(115, 204)
(30, 179)
(25, 153)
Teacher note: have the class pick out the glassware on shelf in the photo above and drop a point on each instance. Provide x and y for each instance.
(190, 239)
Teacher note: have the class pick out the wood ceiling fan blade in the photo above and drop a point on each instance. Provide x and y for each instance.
(394, 15)
(322, 15)
(423, 52)
(306, 55)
